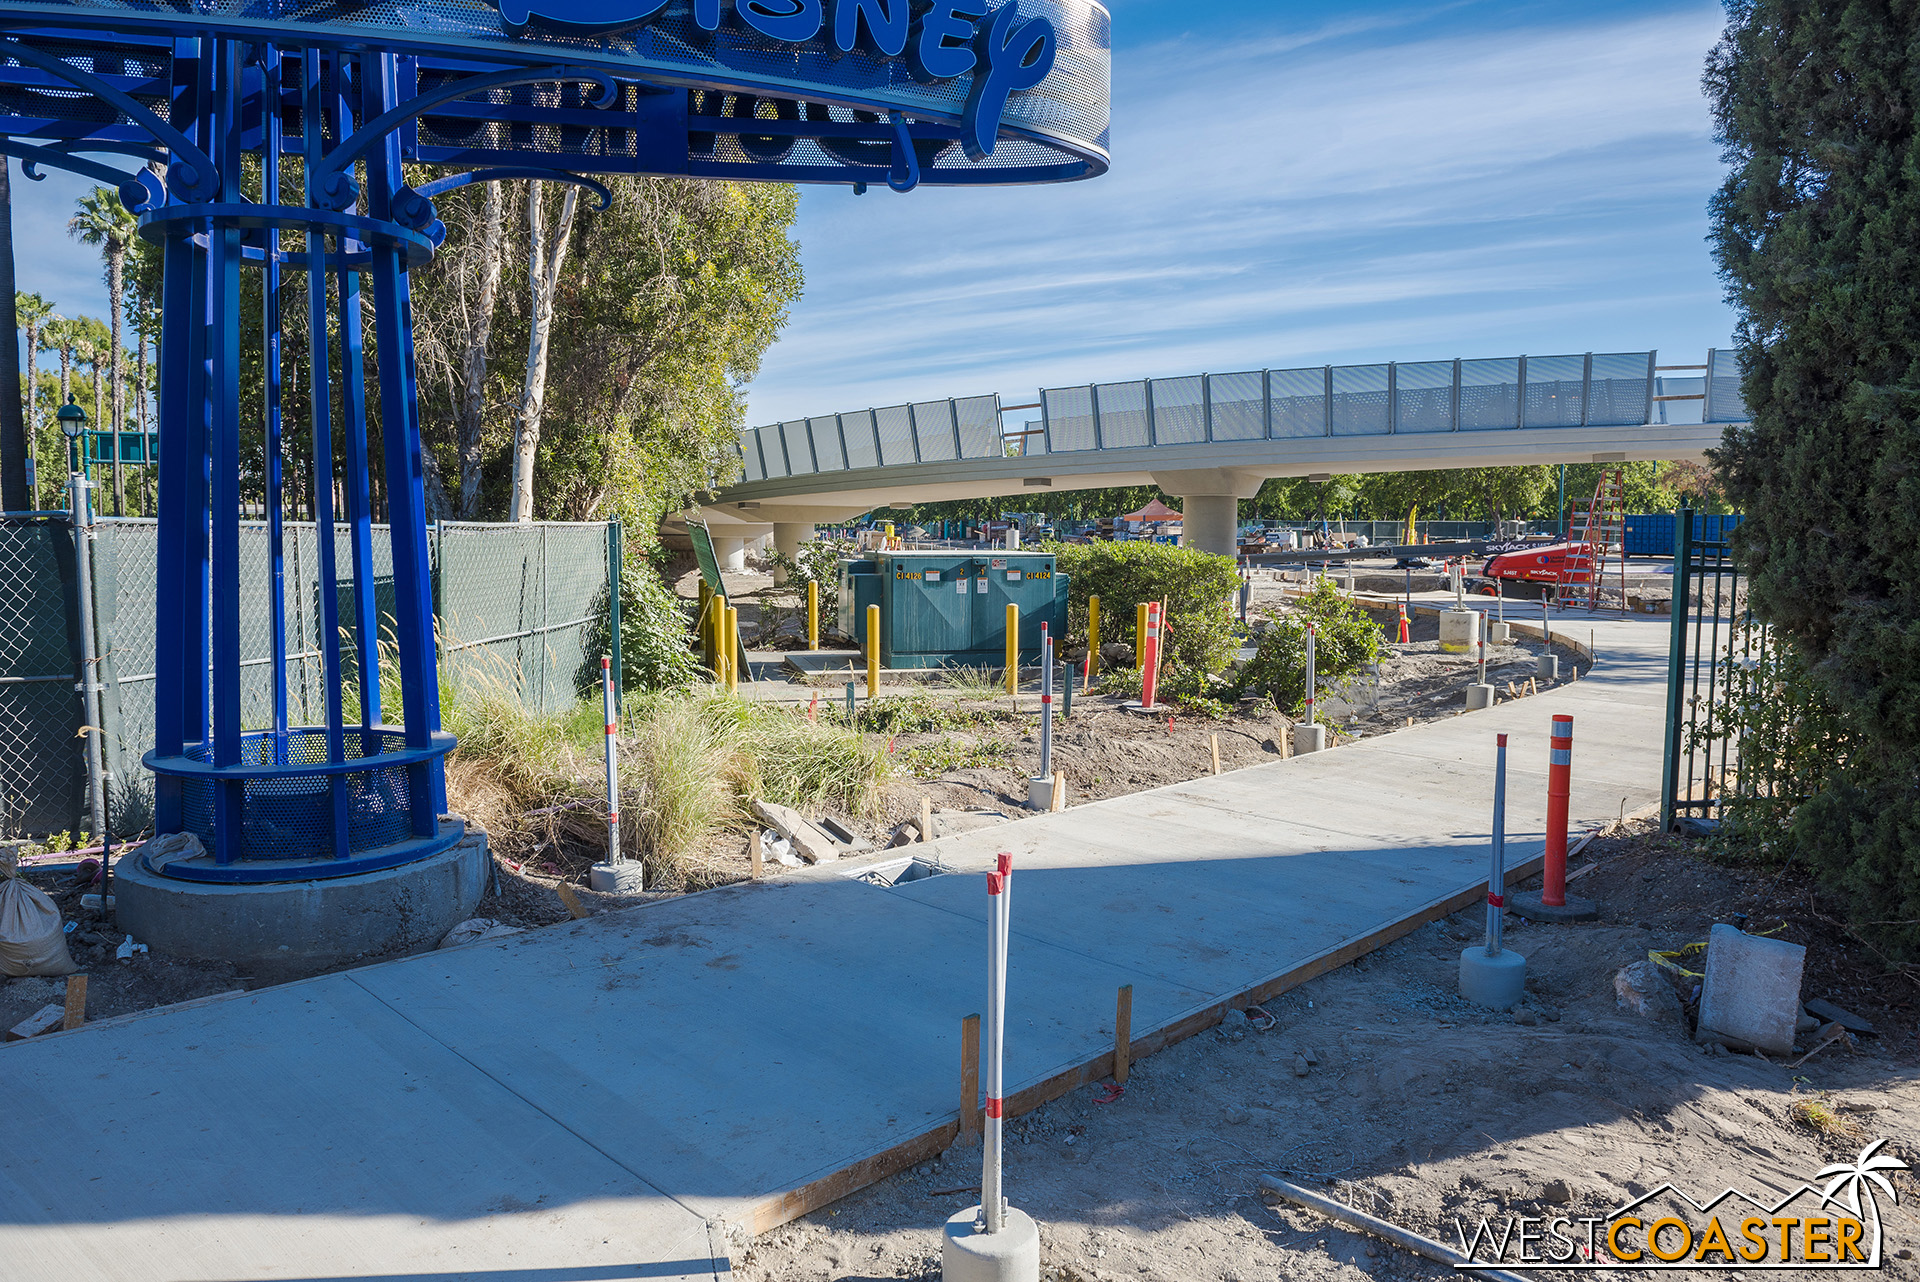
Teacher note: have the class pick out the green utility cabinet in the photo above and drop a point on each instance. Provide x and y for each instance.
(939, 609)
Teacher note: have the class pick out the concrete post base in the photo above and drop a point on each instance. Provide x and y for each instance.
(627, 878)
(1011, 1255)
(1459, 631)
(1479, 697)
(1529, 904)
(1040, 793)
(1547, 667)
(1497, 979)
(283, 930)
(1307, 739)
(1499, 633)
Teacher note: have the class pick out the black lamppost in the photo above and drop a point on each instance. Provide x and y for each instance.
(73, 421)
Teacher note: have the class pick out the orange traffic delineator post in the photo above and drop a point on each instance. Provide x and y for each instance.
(1149, 659)
(1404, 637)
(1551, 902)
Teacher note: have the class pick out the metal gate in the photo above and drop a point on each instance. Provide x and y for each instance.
(1712, 651)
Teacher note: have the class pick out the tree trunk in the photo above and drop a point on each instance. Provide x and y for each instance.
(13, 433)
(140, 424)
(33, 413)
(116, 296)
(473, 371)
(545, 259)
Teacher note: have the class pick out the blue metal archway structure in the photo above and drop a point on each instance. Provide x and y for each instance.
(273, 136)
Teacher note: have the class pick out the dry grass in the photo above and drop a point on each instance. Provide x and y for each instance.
(691, 763)
(1818, 1113)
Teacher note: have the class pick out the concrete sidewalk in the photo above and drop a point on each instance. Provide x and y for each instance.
(616, 1098)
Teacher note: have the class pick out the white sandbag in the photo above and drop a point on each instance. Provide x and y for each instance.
(161, 851)
(475, 929)
(32, 936)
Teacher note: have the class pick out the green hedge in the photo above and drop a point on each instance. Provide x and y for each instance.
(1347, 640)
(1197, 586)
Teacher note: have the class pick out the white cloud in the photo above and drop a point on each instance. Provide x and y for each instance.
(1354, 192)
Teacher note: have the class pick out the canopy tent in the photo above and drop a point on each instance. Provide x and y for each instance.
(1154, 511)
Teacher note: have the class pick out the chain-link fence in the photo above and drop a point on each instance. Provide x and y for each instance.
(514, 606)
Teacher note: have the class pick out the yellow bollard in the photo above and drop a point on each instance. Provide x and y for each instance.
(717, 638)
(1140, 636)
(1093, 639)
(873, 651)
(1013, 650)
(733, 650)
(813, 615)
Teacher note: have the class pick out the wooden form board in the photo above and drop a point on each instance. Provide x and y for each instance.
(776, 1209)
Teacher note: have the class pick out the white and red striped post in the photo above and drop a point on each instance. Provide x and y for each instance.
(993, 1203)
(1310, 640)
(1497, 875)
(1553, 887)
(1046, 703)
(1150, 676)
(613, 769)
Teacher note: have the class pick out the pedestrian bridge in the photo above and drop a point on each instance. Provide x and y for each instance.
(1212, 439)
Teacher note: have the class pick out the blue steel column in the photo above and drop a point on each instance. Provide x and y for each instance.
(223, 270)
(180, 657)
(312, 118)
(400, 436)
(353, 387)
(270, 332)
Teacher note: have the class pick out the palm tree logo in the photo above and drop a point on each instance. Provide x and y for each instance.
(1861, 1176)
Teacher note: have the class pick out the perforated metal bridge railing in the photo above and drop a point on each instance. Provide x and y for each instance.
(1591, 389)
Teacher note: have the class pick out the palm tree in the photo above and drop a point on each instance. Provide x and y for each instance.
(1862, 1175)
(32, 312)
(103, 221)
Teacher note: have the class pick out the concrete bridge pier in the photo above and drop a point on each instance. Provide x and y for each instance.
(788, 538)
(1210, 505)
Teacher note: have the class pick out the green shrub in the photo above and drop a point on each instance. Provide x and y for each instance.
(1347, 640)
(656, 636)
(1197, 586)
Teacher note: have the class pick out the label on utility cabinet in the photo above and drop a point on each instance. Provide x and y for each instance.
(960, 586)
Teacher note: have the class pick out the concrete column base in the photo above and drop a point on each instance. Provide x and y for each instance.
(282, 930)
(1499, 633)
(628, 878)
(1459, 631)
(1311, 738)
(1479, 697)
(1211, 522)
(788, 538)
(1011, 1255)
(1497, 979)
(1547, 667)
(731, 553)
(1040, 793)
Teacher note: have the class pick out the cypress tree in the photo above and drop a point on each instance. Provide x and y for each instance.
(1817, 234)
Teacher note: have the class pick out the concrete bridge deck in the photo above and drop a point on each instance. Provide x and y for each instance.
(612, 1099)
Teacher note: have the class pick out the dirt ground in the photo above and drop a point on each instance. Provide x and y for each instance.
(974, 773)
(1421, 1108)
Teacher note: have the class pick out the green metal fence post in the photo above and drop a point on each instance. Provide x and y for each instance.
(1676, 663)
(615, 553)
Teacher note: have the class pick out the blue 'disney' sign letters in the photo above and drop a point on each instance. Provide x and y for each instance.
(943, 42)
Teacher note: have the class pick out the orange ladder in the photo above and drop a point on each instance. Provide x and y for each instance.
(1600, 551)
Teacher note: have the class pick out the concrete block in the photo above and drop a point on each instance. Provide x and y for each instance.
(1479, 697)
(1751, 995)
(44, 1020)
(1459, 631)
(1547, 667)
(1499, 633)
(1311, 738)
(1497, 979)
(278, 930)
(1040, 793)
(1011, 1255)
(627, 878)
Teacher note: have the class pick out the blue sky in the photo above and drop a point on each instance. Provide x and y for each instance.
(1293, 183)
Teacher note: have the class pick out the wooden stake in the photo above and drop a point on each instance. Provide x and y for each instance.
(926, 818)
(76, 1011)
(1059, 801)
(1213, 741)
(1123, 1034)
(754, 853)
(970, 1123)
(571, 900)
